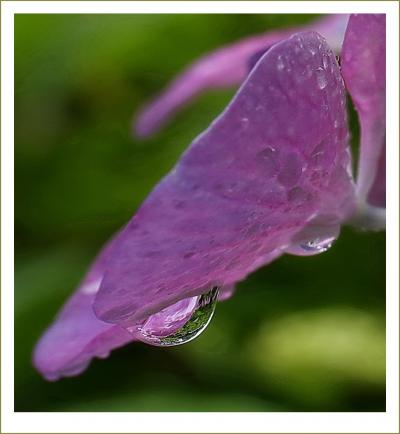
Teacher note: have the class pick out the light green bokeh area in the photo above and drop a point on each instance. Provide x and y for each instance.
(303, 334)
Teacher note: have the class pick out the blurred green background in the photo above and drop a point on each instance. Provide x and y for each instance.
(303, 334)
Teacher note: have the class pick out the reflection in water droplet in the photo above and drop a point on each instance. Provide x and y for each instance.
(179, 323)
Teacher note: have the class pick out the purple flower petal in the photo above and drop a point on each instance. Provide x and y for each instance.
(225, 67)
(377, 194)
(77, 335)
(273, 163)
(226, 292)
(75, 338)
(364, 71)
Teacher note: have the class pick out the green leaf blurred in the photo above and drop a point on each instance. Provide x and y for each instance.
(303, 334)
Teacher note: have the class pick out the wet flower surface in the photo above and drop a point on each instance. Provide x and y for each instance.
(271, 175)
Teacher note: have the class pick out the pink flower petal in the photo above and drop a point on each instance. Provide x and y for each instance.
(377, 194)
(364, 71)
(225, 67)
(273, 167)
(271, 164)
(76, 336)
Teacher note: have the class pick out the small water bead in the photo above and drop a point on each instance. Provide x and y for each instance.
(325, 61)
(92, 286)
(322, 81)
(279, 64)
(317, 154)
(317, 246)
(297, 196)
(179, 323)
(313, 240)
(245, 123)
(268, 160)
(311, 247)
(290, 170)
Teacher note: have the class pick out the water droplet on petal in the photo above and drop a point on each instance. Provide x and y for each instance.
(179, 323)
(268, 160)
(297, 196)
(314, 239)
(322, 81)
(279, 64)
(245, 123)
(103, 355)
(311, 247)
(317, 246)
(325, 62)
(317, 154)
(92, 286)
(291, 169)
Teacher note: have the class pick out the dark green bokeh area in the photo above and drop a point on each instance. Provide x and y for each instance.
(303, 334)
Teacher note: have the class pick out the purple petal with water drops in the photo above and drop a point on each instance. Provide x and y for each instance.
(364, 71)
(225, 67)
(273, 164)
(77, 336)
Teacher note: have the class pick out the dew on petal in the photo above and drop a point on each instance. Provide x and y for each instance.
(314, 239)
(279, 64)
(290, 170)
(322, 81)
(297, 196)
(245, 122)
(179, 323)
(325, 62)
(318, 153)
(316, 246)
(91, 287)
(268, 160)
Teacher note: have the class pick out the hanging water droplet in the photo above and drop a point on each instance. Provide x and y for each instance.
(311, 247)
(317, 246)
(179, 323)
(314, 239)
